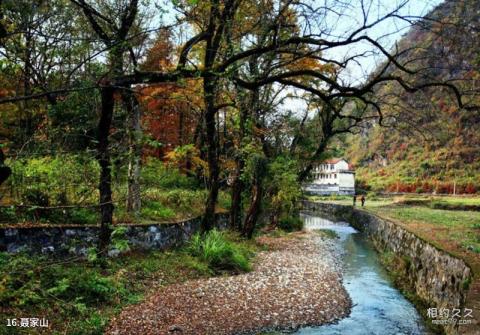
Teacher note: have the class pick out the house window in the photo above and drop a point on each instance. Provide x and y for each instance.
(332, 166)
(335, 176)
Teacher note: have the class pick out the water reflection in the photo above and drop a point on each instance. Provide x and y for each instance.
(378, 308)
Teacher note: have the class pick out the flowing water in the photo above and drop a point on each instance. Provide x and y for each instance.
(378, 308)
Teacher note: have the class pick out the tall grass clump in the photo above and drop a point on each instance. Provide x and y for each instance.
(290, 223)
(219, 253)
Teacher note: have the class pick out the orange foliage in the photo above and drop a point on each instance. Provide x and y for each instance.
(170, 116)
(170, 109)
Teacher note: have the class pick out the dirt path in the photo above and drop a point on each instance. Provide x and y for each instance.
(297, 284)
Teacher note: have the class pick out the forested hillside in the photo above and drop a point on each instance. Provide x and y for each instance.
(426, 143)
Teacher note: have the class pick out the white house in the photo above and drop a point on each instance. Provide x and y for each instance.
(332, 176)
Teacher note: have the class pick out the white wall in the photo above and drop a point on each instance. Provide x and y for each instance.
(342, 165)
(325, 181)
(346, 179)
(342, 179)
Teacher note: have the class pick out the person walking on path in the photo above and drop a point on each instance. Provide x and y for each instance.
(354, 200)
(362, 199)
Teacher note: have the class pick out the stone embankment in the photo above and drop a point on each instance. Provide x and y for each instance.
(76, 239)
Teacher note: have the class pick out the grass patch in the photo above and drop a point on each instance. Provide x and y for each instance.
(220, 253)
(156, 211)
(332, 197)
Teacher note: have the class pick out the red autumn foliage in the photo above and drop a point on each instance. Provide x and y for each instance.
(444, 188)
(429, 187)
(169, 108)
(470, 189)
(169, 118)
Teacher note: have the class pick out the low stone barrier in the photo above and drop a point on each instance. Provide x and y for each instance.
(75, 240)
(437, 278)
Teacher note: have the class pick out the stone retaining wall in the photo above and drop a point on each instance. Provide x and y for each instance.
(75, 240)
(438, 279)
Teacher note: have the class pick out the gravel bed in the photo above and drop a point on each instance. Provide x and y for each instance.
(298, 283)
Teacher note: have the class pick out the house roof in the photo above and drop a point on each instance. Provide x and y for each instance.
(334, 160)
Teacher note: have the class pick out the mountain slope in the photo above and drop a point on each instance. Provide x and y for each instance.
(427, 143)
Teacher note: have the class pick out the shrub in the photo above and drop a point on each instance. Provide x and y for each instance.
(283, 186)
(29, 281)
(157, 175)
(290, 223)
(51, 181)
(7, 214)
(155, 210)
(444, 188)
(180, 201)
(427, 187)
(36, 197)
(219, 253)
(82, 216)
(224, 200)
(470, 189)
(57, 180)
(93, 288)
(184, 199)
(362, 185)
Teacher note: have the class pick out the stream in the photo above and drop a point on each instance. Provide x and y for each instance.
(378, 307)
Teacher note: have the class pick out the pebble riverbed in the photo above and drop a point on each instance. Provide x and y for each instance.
(297, 283)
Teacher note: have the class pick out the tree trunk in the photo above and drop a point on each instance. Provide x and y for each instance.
(238, 184)
(254, 210)
(105, 185)
(134, 132)
(236, 205)
(5, 171)
(208, 221)
(253, 213)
